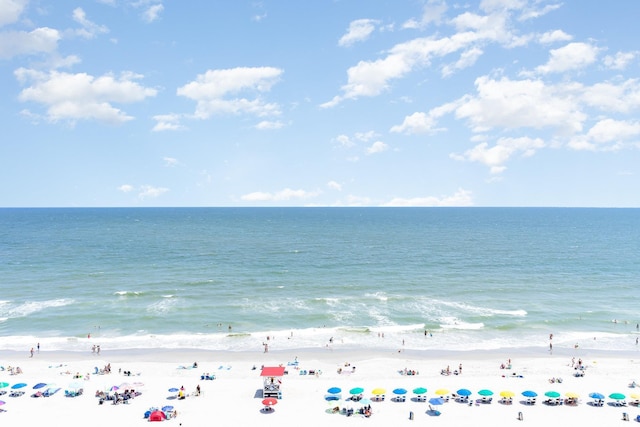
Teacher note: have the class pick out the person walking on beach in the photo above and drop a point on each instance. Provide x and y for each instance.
(31, 352)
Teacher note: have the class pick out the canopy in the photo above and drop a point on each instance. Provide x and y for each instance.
(39, 385)
(269, 401)
(617, 396)
(507, 393)
(572, 395)
(595, 395)
(529, 393)
(356, 390)
(419, 390)
(436, 401)
(334, 390)
(552, 394)
(272, 371)
(442, 392)
(400, 391)
(464, 392)
(485, 392)
(157, 416)
(19, 385)
(378, 391)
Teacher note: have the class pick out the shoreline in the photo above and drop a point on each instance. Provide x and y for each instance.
(234, 397)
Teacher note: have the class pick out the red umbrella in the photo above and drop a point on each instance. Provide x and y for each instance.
(269, 401)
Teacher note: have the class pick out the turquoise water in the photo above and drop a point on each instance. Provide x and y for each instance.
(474, 278)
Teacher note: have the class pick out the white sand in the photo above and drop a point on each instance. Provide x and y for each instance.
(234, 397)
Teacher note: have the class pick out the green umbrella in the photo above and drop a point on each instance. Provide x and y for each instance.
(420, 390)
(3, 385)
(485, 392)
(552, 394)
(356, 390)
(617, 396)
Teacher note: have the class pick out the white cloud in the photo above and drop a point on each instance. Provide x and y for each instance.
(365, 136)
(610, 130)
(511, 104)
(170, 162)
(377, 147)
(214, 90)
(40, 40)
(419, 122)
(283, 195)
(89, 29)
(269, 125)
(433, 12)
(620, 60)
(621, 97)
(126, 188)
(467, 59)
(334, 185)
(535, 11)
(495, 157)
(573, 56)
(167, 122)
(10, 10)
(460, 198)
(554, 36)
(150, 192)
(359, 30)
(344, 141)
(152, 13)
(81, 96)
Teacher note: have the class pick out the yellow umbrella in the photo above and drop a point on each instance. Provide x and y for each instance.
(507, 393)
(635, 395)
(442, 392)
(572, 395)
(378, 391)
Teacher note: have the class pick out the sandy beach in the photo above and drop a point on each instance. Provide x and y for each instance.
(234, 397)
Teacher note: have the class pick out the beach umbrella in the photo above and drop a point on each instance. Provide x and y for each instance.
(39, 385)
(552, 394)
(269, 401)
(331, 397)
(419, 390)
(635, 395)
(378, 391)
(167, 408)
(595, 395)
(400, 391)
(76, 385)
(365, 402)
(436, 401)
(114, 388)
(2, 402)
(485, 392)
(334, 390)
(356, 390)
(572, 395)
(464, 392)
(617, 396)
(19, 385)
(442, 392)
(3, 385)
(529, 393)
(507, 393)
(173, 390)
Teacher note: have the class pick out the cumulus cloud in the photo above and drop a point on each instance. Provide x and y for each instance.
(152, 13)
(359, 30)
(496, 156)
(620, 60)
(460, 198)
(554, 36)
(151, 192)
(71, 97)
(283, 195)
(167, 122)
(40, 40)
(89, 29)
(10, 10)
(334, 185)
(377, 147)
(573, 56)
(126, 188)
(269, 125)
(220, 91)
(432, 12)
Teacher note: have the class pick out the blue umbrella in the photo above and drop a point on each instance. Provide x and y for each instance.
(596, 396)
(399, 391)
(529, 393)
(464, 392)
(173, 390)
(436, 401)
(334, 390)
(330, 397)
(19, 385)
(167, 408)
(39, 385)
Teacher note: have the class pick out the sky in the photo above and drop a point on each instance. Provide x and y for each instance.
(149, 103)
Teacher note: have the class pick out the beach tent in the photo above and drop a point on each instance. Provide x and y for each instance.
(157, 416)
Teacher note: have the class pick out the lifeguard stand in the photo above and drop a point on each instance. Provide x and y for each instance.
(272, 378)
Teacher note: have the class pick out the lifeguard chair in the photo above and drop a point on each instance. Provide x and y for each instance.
(272, 379)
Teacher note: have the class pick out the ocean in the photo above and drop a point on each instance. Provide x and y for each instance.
(378, 278)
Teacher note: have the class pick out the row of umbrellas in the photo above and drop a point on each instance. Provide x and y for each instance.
(334, 391)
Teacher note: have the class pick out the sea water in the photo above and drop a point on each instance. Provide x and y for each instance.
(228, 278)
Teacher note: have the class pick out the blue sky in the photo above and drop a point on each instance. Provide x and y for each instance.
(319, 103)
